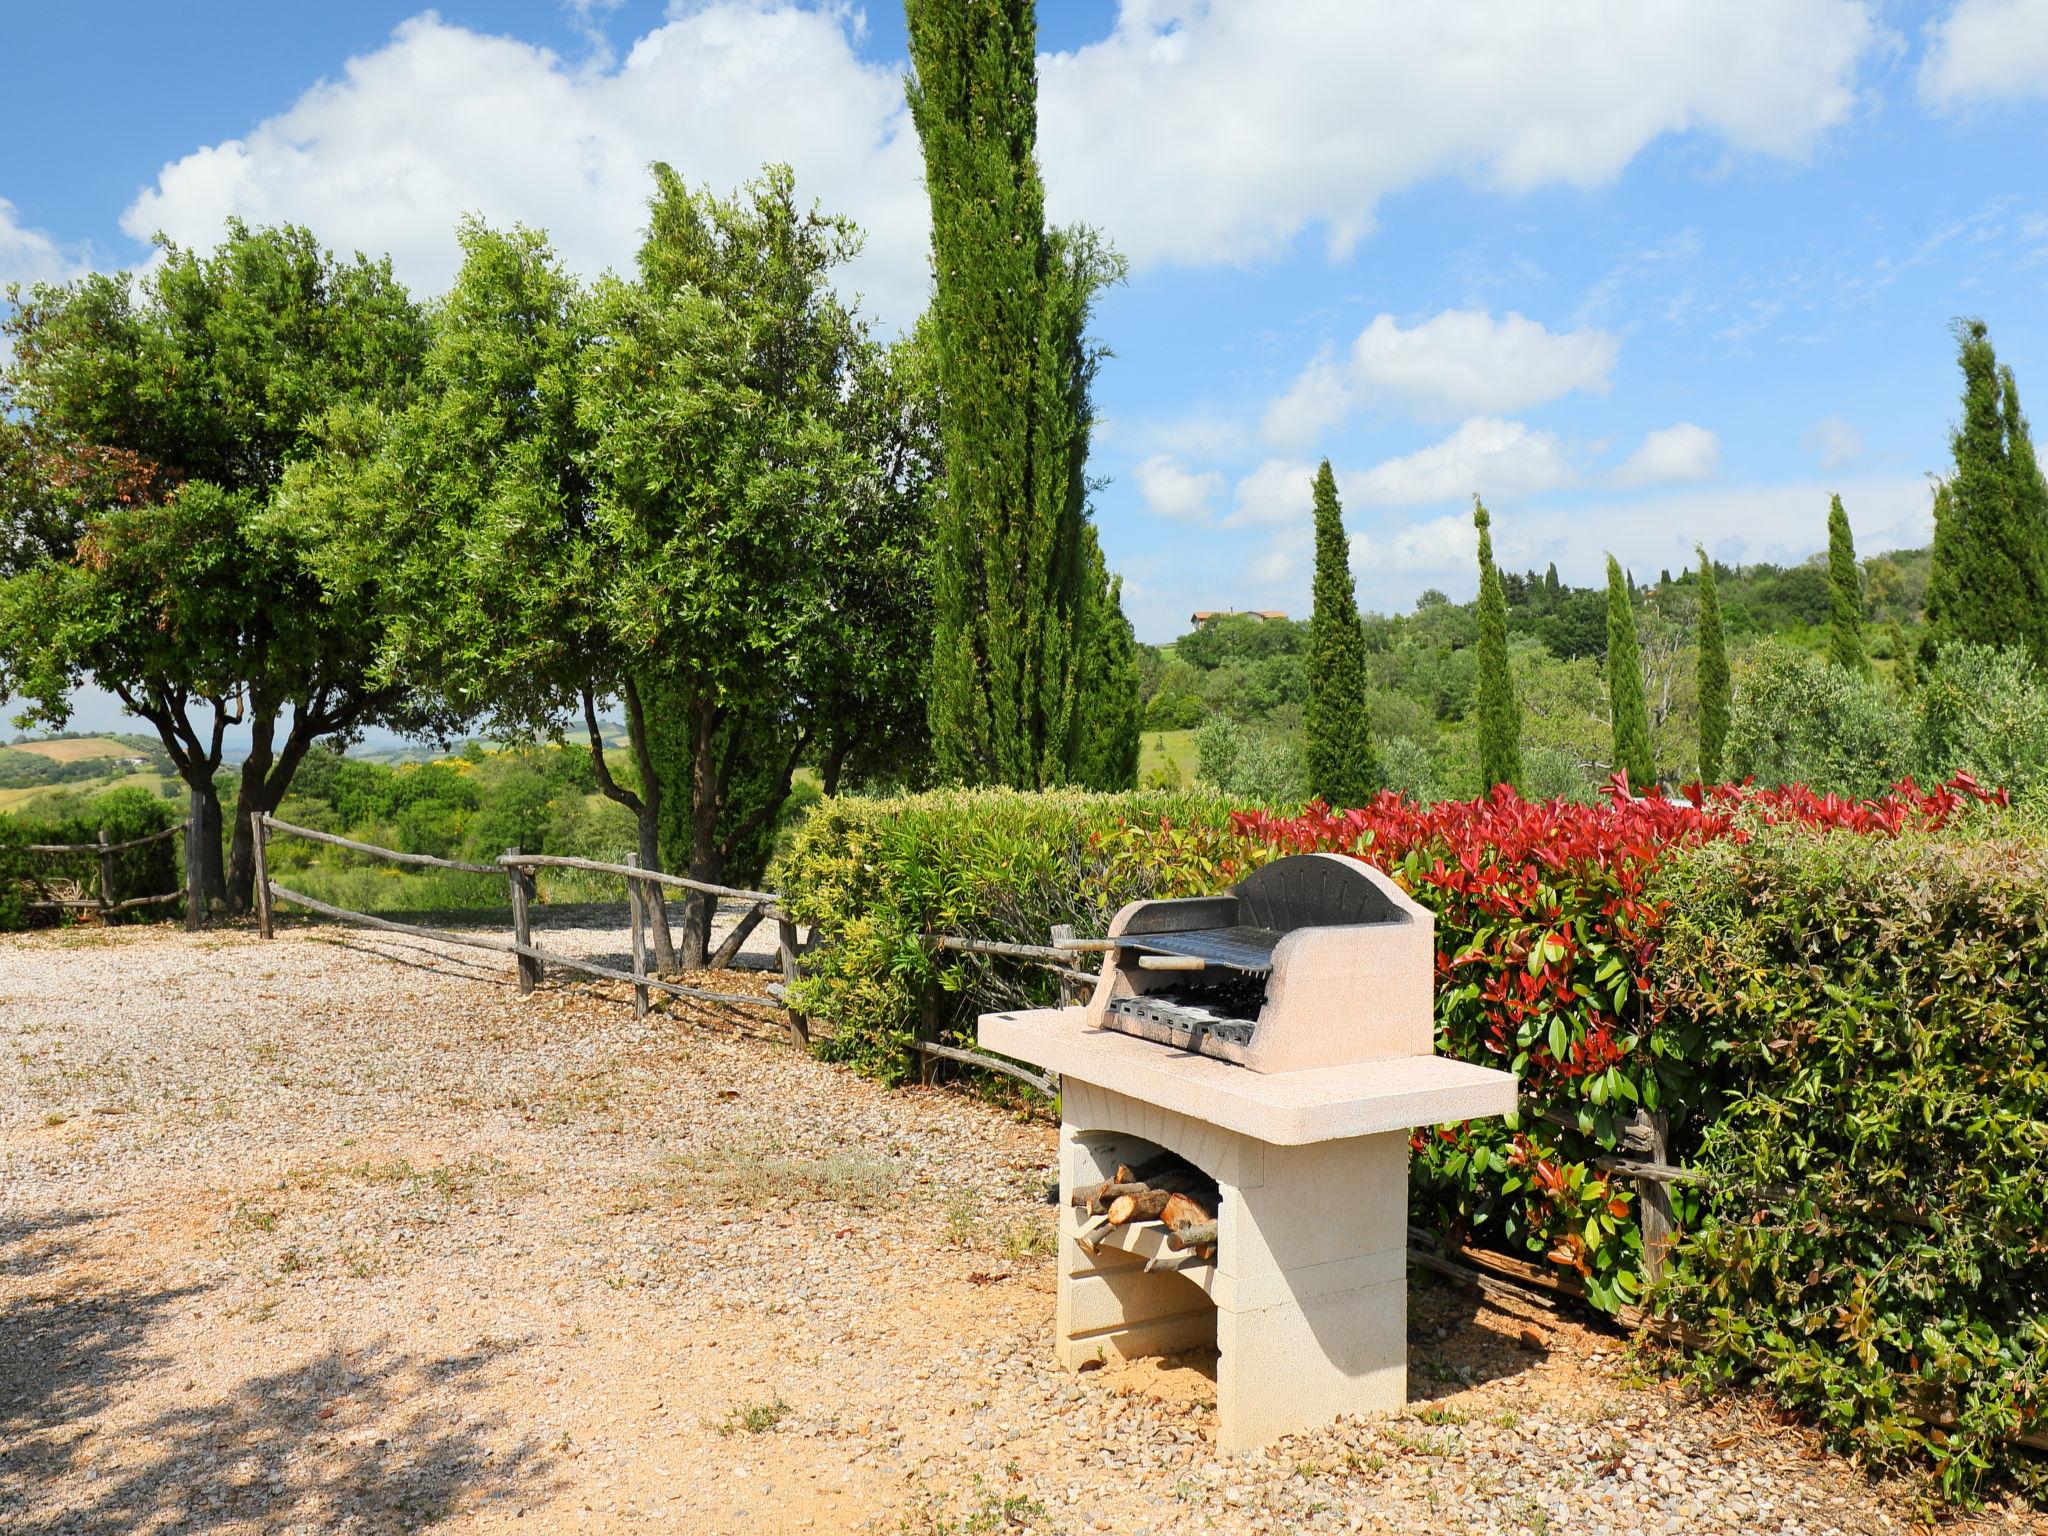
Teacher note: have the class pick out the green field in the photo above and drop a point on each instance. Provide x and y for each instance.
(1158, 749)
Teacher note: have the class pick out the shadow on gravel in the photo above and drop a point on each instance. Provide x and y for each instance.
(360, 1439)
(1450, 1348)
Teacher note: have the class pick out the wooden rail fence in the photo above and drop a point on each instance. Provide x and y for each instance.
(104, 903)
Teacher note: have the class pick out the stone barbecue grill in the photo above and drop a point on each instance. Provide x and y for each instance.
(1245, 1076)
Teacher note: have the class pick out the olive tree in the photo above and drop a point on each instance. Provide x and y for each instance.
(143, 544)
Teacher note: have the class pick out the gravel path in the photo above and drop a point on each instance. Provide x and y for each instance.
(339, 1233)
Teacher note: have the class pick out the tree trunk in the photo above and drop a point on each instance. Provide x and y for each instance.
(657, 895)
(707, 860)
(266, 777)
(204, 803)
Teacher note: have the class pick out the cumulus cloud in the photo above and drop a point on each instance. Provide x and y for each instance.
(443, 120)
(1783, 522)
(29, 255)
(1279, 491)
(1458, 362)
(1214, 132)
(1834, 441)
(1986, 50)
(1332, 105)
(1486, 455)
(1171, 490)
(1315, 402)
(1680, 452)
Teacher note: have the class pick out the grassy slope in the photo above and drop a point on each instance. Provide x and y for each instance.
(1157, 748)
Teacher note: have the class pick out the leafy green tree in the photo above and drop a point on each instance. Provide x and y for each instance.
(1500, 716)
(1337, 725)
(1010, 309)
(1905, 676)
(151, 422)
(1845, 596)
(1800, 720)
(1989, 580)
(1713, 675)
(1626, 710)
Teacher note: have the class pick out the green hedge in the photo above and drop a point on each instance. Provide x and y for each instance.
(123, 814)
(1874, 1245)
(874, 875)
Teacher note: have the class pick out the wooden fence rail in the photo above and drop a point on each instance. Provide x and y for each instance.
(104, 903)
(516, 869)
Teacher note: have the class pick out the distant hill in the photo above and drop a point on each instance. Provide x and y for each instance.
(33, 769)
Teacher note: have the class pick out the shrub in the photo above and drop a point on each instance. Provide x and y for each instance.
(1798, 720)
(1985, 712)
(1546, 931)
(1247, 765)
(874, 875)
(1871, 1244)
(124, 813)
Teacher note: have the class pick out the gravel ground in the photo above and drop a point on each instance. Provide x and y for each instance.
(339, 1233)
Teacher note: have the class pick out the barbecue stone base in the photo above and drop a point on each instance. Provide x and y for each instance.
(1306, 1301)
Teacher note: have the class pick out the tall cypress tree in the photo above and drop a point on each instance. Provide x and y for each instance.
(1342, 766)
(1989, 579)
(1500, 714)
(1110, 723)
(1845, 596)
(1713, 675)
(1626, 710)
(1904, 678)
(1010, 309)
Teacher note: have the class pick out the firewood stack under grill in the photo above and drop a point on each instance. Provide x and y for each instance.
(1166, 1190)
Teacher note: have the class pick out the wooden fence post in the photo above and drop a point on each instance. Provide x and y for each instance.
(928, 1033)
(1653, 1197)
(106, 877)
(635, 905)
(260, 825)
(785, 951)
(522, 923)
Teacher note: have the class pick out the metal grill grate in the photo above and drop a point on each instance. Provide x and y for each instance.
(1241, 948)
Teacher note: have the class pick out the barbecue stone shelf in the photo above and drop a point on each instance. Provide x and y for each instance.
(1289, 1109)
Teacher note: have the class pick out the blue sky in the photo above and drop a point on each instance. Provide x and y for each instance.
(1639, 275)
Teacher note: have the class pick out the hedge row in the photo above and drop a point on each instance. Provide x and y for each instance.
(123, 814)
(1628, 954)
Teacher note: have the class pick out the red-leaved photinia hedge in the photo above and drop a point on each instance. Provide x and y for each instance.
(1546, 935)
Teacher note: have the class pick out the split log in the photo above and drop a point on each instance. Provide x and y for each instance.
(1144, 1206)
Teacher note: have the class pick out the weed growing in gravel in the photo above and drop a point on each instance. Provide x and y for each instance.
(990, 1512)
(963, 1219)
(1026, 1240)
(248, 1216)
(1441, 1413)
(740, 1175)
(754, 1419)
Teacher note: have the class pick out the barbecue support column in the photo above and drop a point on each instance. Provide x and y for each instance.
(1307, 1300)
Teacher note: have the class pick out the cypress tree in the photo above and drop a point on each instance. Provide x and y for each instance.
(1010, 307)
(1626, 710)
(1550, 582)
(1110, 724)
(1905, 678)
(1500, 714)
(1845, 596)
(1713, 676)
(1342, 767)
(1989, 581)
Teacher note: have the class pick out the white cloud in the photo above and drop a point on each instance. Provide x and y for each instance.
(1278, 491)
(442, 120)
(1458, 362)
(1986, 50)
(1463, 362)
(1436, 547)
(1315, 402)
(1216, 132)
(1486, 455)
(29, 255)
(1169, 490)
(1834, 442)
(1680, 452)
(1783, 522)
